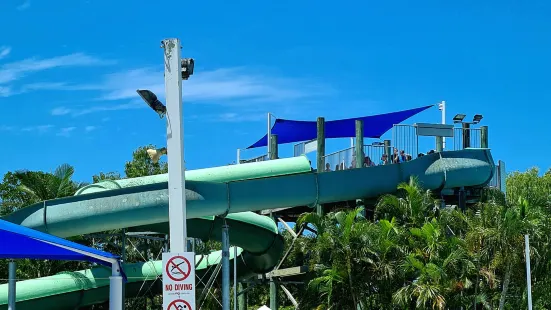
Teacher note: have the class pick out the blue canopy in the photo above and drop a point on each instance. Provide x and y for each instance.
(22, 242)
(375, 126)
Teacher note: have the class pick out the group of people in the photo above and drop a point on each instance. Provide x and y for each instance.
(396, 158)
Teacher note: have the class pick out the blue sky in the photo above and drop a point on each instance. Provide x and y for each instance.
(69, 71)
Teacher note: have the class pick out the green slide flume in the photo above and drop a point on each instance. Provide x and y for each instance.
(232, 191)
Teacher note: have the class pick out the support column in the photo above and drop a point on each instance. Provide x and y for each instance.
(242, 298)
(274, 153)
(484, 137)
(359, 149)
(439, 144)
(273, 284)
(225, 267)
(123, 260)
(165, 244)
(320, 164)
(12, 274)
(234, 277)
(116, 301)
(273, 294)
(462, 199)
(388, 150)
(466, 129)
(359, 154)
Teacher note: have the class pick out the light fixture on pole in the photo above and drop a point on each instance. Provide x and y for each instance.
(155, 154)
(458, 118)
(477, 118)
(152, 101)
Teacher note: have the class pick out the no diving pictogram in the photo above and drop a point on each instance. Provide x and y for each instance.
(179, 304)
(178, 268)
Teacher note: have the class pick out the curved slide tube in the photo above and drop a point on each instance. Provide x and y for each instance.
(70, 290)
(146, 203)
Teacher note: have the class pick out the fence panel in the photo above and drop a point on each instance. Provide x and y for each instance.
(474, 135)
(340, 160)
(253, 160)
(404, 137)
(298, 149)
(374, 153)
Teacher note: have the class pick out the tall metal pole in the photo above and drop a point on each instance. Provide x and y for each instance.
(11, 284)
(269, 136)
(238, 157)
(528, 272)
(225, 267)
(175, 146)
(234, 277)
(116, 292)
(442, 108)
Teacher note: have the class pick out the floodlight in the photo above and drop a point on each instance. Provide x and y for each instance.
(155, 155)
(477, 118)
(151, 99)
(187, 65)
(458, 118)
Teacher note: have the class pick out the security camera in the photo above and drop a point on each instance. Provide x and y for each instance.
(187, 68)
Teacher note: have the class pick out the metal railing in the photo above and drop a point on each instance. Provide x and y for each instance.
(473, 134)
(373, 153)
(253, 160)
(340, 160)
(346, 159)
(405, 138)
(499, 178)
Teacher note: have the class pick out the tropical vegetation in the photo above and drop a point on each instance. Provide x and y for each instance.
(413, 252)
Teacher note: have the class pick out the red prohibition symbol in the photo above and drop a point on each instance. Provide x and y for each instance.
(175, 269)
(179, 304)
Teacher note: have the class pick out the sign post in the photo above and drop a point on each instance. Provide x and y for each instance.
(179, 281)
(175, 146)
(178, 264)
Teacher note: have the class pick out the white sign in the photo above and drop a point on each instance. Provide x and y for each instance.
(310, 146)
(179, 281)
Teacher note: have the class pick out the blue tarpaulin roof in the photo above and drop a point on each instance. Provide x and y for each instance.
(375, 126)
(22, 242)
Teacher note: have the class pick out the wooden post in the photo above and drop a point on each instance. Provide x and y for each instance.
(484, 137)
(274, 153)
(439, 144)
(321, 145)
(466, 128)
(359, 143)
(320, 154)
(388, 151)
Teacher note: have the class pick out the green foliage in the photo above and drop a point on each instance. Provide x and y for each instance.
(105, 176)
(141, 165)
(415, 255)
(11, 197)
(419, 256)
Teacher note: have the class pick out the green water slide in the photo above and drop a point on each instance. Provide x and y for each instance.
(234, 191)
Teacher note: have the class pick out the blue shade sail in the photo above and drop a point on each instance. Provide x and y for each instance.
(17, 242)
(375, 126)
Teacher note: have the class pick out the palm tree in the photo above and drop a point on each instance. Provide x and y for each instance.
(336, 253)
(411, 205)
(45, 186)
